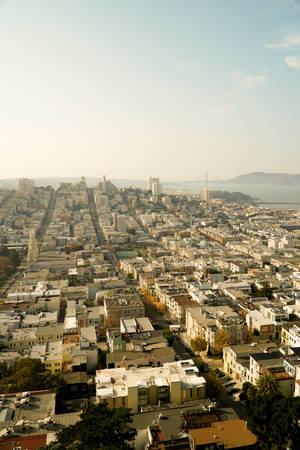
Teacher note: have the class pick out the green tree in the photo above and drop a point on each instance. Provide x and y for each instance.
(100, 428)
(6, 267)
(26, 375)
(14, 257)
(267, 385)
(213, 384)
(12, 254)
(198, 344)
(247, 391)
(169, 336)
(274, 418)
(200, 364)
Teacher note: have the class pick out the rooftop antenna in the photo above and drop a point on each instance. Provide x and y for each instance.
(206, 180)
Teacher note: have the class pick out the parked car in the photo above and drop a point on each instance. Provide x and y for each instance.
(219, 373)
(234, 390)
(229, 383)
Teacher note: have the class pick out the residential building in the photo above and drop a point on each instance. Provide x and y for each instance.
(175, 382)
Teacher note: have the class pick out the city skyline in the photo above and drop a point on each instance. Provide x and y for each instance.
(175, 89)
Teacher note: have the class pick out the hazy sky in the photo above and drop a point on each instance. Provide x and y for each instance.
(132, 88)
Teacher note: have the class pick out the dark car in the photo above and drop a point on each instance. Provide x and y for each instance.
(234, 391)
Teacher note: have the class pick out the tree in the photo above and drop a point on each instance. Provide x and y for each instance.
(200, 364)
(14, 257)
(222, 340)
(9, 260)
(76, 247)
(26, 375)
(247, 391)
(6, 267)
(198, 344)
(161, 308)
(267, 385)
(100, 428)
(169, 336)
(213, 384)
(274, 418)
(249, 336)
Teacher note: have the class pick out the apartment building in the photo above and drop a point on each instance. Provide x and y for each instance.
(256, 321)
(51, 354)
(236, 359)
(276, 314)
(121, 303)
(205, 321)
(174, 382)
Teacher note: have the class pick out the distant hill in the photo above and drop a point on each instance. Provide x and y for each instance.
(266, 178)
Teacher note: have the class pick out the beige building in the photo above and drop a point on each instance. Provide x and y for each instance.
(50, 354)
(122, 303)
(206, 320)
(174, 382)
(236, 359)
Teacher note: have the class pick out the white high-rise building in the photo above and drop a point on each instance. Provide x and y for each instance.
(155, 186)
(149, 184)
(156, 189)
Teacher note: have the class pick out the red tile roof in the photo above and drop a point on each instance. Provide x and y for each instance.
(25, 442)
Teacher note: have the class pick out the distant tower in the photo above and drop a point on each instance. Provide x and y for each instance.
(115, 220)
(104, 185)
(205, 194)
(149, 184)
(33, 248)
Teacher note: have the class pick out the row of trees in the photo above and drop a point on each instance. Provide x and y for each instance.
(274, 418)
(214, 386)
(199, 344)
(9, 261)
(152, 300)
(72, 248)
(26, 375)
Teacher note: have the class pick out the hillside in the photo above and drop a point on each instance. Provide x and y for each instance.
(266, 178)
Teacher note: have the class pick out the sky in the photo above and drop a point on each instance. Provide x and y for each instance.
(139, 88)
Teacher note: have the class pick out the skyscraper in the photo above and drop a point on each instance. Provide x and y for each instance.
(155, 186)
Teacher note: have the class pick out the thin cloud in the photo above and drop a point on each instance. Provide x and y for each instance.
(293, 61)
(224, 110)
(251, 81)
(187, 66)
(289, 41)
